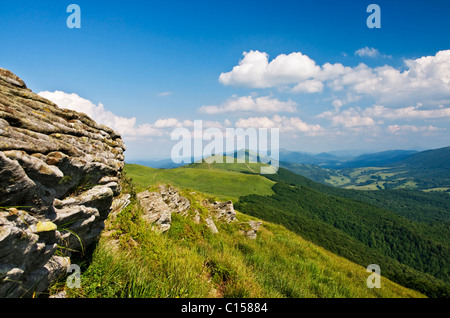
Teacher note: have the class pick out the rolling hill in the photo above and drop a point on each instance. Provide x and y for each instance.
(213, 179)
(189, 261)
(430, 159)
(359, 232)
(340, 160)
(364, 229)
(322, 159)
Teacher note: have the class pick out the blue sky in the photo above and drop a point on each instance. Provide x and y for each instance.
(146, 67)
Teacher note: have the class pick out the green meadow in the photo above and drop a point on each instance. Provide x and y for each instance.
(225, 181)
(188, 261)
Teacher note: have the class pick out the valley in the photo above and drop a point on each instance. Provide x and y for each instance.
(427, 170)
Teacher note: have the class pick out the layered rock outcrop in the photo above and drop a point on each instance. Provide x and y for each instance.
(158, 207)
(59, 174)
(224, 211)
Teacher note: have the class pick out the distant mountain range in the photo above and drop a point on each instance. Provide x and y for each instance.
(425, 170)
(335, 159)
(392, 169)
(378, 159)
(346, 159)
(157, 164)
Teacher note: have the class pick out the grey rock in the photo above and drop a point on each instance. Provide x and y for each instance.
(174, 200)
(119, 203)
(212, 226)
(61, 171)
(224, 211)
(161, 204)
(61, 294)
(252, 234)
(156, 210)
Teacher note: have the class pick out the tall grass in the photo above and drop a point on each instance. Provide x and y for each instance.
(132, 260)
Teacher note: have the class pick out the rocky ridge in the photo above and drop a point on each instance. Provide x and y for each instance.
(159, 206)
(60, 175)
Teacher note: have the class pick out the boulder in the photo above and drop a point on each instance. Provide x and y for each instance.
(224, 211)
(159, 206)
(60, 173)
(253, 231)
(155, 209)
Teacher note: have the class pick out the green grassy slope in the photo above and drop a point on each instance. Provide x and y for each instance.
(322, 213)
(330, 217)
(210, 179)
(189, 261)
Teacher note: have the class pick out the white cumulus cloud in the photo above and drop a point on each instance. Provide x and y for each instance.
(366, 51)
(349, 118)
(264, 104)
(370, 52)
(285, 124)
(405, 129)
(410, 112)
(425, 79)
(309, 86)
(254, 70)
(376, 115)
(127, 127)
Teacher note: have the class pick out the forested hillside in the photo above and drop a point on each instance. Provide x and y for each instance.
(359, 231)
(426, 170)
(405, 232)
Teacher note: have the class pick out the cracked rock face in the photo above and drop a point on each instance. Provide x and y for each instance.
(224, 211)
(59, 175)
(159, 206)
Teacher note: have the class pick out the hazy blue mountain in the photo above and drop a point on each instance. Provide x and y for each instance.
(346, 159)
(157, 164)
(378, 159)
(320, 159)
(393, 169)
(429, 159)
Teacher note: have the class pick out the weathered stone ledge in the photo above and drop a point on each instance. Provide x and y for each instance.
(60, 173)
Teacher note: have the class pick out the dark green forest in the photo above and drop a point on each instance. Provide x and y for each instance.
(430, 209)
